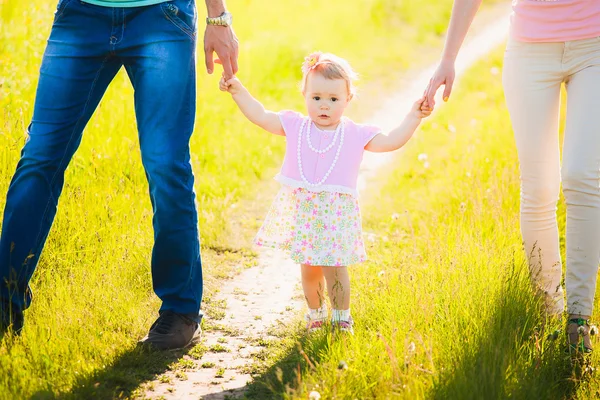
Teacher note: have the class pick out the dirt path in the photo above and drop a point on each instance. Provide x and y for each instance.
(270, 293)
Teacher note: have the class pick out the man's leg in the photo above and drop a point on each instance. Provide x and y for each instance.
(161, 65)
(74, 74)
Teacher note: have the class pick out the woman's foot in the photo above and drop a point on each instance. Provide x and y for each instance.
(579, 332)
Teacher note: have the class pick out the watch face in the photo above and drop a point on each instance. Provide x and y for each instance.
(227, 18)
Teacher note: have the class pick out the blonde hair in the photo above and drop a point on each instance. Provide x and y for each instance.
(329, 66)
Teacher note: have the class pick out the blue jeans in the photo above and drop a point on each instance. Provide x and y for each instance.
(87, 47)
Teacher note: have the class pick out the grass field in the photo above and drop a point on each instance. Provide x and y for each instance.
(444, 307)
(93, 296)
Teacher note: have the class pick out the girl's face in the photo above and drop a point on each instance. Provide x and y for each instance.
(326, 100)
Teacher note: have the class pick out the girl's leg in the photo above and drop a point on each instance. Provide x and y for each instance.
(581, 177)
(532, 78)
(338, 288)
(313, 284)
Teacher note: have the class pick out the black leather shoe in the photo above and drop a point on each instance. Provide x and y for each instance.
(172, 331)
(10, 321)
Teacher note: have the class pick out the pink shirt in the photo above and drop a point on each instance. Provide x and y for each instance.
(555, 20)
(344, 175)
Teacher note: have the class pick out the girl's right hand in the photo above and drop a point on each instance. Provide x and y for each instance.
(419, 109)
(232, 85)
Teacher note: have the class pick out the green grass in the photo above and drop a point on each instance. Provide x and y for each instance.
(93, 296)
(444, 307)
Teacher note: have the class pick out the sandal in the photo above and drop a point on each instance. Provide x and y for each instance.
(313, 325)
(579, 332)
(344, 326)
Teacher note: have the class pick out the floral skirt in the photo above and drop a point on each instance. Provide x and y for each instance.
(321, 228)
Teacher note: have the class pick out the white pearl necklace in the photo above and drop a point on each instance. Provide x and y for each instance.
(326, 149)
(306, 123)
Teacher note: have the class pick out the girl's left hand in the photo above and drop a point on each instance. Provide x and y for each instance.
(419, 110)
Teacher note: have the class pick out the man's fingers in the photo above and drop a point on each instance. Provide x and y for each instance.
(236, 54)
(208, 59)
(227, 70)
(234, 64)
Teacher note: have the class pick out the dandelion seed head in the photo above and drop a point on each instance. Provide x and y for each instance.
(412, 347)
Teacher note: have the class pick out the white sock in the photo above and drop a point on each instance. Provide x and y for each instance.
(318, 313)
(340, 315)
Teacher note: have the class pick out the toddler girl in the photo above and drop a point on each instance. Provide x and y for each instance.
(315, 216)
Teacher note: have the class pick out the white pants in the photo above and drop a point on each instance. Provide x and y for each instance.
(533, 74)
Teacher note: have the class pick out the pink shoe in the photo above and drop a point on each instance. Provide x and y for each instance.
(344, 326)
(313, 325)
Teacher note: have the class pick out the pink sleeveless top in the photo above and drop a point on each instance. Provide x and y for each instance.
(555, 20)
(344, 174)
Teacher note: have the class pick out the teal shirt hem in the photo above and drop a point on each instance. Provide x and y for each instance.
(124, 3)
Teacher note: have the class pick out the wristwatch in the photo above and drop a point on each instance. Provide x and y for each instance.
(224, 19)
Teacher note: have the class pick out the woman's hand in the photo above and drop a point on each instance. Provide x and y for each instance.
(444, 75)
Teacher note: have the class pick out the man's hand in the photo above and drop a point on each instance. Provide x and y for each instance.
(444, 75)
(221, 40)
